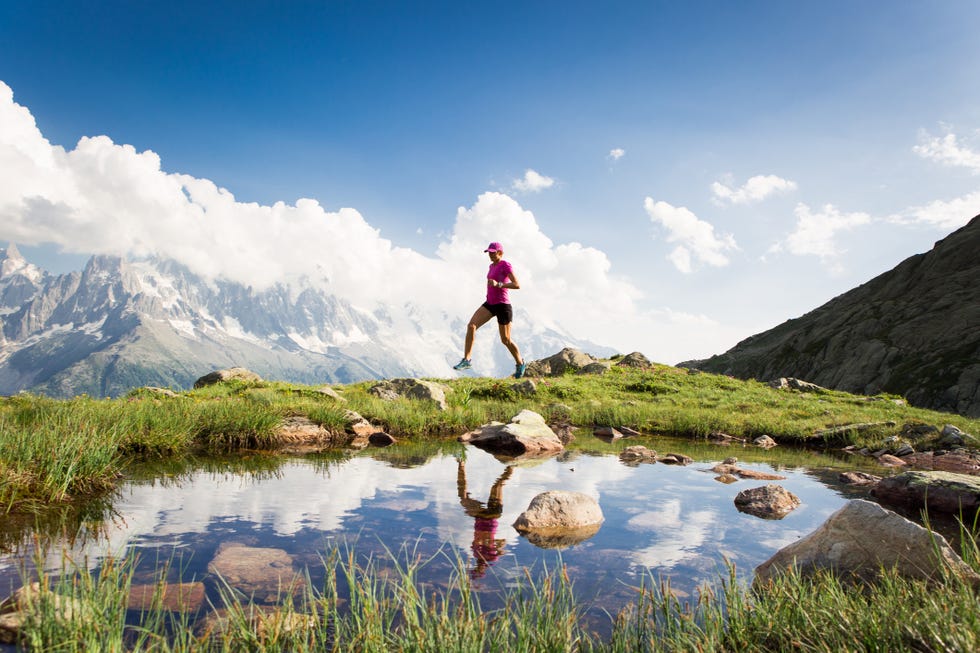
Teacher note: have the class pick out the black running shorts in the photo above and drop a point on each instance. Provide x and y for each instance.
(503, 312)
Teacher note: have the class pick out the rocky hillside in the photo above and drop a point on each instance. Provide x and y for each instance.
(912, 331)
(120, 324)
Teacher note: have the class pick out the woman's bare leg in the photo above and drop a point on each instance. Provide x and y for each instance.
(510, 344)
(480, 317)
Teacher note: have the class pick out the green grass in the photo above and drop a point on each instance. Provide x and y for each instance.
(380, 605)
(60, 450)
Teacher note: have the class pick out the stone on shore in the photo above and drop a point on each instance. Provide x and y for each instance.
(527, 434)
(862, 538)
(942, 491)
(412, 389)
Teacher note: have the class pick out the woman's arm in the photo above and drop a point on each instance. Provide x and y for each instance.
(511, 282)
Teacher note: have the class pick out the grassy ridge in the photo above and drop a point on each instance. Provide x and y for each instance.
(58, 450)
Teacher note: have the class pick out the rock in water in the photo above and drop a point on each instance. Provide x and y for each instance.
(560, 518)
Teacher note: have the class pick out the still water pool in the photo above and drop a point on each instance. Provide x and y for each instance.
(661, 521)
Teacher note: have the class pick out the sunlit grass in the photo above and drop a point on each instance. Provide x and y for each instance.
(380, 604)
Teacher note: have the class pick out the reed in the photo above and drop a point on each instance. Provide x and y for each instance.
(380, 605)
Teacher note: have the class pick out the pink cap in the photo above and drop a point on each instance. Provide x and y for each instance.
(494, 247)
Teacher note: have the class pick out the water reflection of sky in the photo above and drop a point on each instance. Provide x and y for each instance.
(670, 521)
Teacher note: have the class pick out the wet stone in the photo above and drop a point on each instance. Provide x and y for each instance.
(263, 573)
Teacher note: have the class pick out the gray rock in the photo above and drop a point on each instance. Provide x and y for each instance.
(634, 359)
(606, 433)
(561, 514)
(904, 449)
(526, 388)
(862, 538)
(230, 374)
(764, 441)
(381, 439)
(638, 453)
(327, 391)
(937, 490)
(676, 459)
(599, 367)
(354, 423)
(858, 478)
(769, 501)
(527, 434)
(567, 360)
(789, 383)
(412, 389)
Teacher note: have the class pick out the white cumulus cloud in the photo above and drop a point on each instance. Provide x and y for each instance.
(695, 238)
(106, 198)
(946, 215)
(755, 189)
(948, 151)
(816, 233)
(533, 182)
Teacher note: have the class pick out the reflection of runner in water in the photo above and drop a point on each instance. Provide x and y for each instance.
(486, 547)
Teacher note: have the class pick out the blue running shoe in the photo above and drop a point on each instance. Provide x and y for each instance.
(463, 364)
(519, 371)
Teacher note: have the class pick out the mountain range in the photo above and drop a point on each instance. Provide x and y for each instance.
(119, 324)
(912, 331)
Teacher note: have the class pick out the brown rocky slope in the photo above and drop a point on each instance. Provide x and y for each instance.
(912, 331)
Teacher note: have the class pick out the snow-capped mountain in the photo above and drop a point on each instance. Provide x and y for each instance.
(120, 324)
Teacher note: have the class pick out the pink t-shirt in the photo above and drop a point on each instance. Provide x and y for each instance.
(498, 271)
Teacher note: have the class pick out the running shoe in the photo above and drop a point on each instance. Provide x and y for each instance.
(463, 364)
(519, 371)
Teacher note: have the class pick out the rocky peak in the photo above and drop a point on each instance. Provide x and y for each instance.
(911, 331)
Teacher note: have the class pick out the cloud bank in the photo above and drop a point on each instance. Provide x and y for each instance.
(106, 198)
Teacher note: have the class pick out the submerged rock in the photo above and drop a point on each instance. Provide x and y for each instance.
(263, 573)
(174, 597)
(862, 538)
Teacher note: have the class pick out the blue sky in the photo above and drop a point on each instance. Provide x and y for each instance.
(722, 166)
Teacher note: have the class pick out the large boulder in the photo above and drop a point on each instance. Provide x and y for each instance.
(560, 518)
(941, 491)
(527, 434)
(413, 389)
(862, 538)
(769, 501)
(567, 360)
(230, 374)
